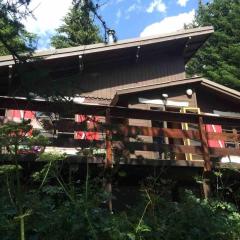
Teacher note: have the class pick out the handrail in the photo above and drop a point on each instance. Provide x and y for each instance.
(113, 111)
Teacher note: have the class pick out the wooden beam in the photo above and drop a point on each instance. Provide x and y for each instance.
(206, 157)
(74, 143)
(233, 137)
(127, 131)
(121, 112)
(143, 146)
(205, 150)
(221, 152)
(109, 154)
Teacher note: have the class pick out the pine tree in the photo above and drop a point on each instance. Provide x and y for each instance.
(219, 59)
(14, 39)
(78, 27)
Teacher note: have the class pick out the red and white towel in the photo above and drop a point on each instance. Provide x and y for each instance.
(90, 121)
(215, 129)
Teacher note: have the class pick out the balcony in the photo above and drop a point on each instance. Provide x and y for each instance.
(112, 140)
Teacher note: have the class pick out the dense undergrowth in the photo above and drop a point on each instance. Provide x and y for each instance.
(79, 211)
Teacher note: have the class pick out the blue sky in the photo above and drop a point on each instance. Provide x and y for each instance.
(130, 18)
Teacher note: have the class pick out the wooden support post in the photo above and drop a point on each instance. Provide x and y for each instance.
(109, 160)
(207, 184)
(203, 137)
(109, 155)
(166, 140)
(206, 156)
(109, 191)
(237, 145)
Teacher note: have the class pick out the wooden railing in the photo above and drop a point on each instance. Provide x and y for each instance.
(122, 141)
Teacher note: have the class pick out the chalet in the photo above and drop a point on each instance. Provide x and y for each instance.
(141, 85)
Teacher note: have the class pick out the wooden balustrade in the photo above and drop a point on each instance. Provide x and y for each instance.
(117, 137)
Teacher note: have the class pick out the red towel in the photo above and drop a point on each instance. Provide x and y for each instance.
(19, 115)
(90, 122)
(216, 129)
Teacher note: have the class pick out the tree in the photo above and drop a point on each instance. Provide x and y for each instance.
(14, 39)
(218, 59)
(12, 137)
(78, 27)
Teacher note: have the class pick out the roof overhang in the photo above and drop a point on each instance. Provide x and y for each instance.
(188, 41)
(233, 94)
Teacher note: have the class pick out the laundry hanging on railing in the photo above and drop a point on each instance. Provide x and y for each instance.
(216, 129)
(89, 134)
(18, 116)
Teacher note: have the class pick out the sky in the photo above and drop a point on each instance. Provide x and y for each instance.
(129, 18)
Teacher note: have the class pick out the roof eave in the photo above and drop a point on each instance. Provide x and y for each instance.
(102, 47)
(221, 88)
(202, 81)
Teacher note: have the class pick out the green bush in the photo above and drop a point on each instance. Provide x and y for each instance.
(52, 215)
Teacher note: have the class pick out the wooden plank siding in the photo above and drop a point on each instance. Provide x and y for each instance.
(103, 83)
(209, 100)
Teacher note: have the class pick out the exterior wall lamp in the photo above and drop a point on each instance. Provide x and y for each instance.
(164, 98)
(189, 92)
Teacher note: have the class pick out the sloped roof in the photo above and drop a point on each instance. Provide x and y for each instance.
(189, 40)
(197, 80)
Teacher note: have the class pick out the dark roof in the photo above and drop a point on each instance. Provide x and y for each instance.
(234, 94)
(188, 41)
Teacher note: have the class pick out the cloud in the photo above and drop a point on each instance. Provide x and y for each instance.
(118, 16)
(119, 13)
(182, 3)
(156, 5)
(48, 14)
(169, 24)
(135, 7)
(132, 8)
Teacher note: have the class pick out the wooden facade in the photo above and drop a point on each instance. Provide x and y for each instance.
(115, 77)
(105, 82)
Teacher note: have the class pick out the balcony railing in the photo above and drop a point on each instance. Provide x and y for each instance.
(115, 139)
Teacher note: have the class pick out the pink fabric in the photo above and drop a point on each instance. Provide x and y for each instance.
(216, 129)
(89, 135)
(29, 115)
(19, 115)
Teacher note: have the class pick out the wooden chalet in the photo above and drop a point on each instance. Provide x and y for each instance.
(148, 112)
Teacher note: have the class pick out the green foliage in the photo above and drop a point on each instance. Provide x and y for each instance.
(14, 135)
(218, 59)
(14, 39)
(8, 169)
(78, 27)
(53, 216)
